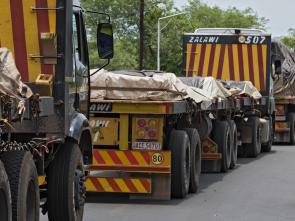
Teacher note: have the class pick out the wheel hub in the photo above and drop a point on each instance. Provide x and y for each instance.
(80, 190)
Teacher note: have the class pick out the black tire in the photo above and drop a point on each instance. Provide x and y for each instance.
(254, 149)
(221, 136)
(267, 147)
(179, 145)
(5, 197)
(195, 144)
(23, 179)
(234, 144)
(291, 118)
(66, 190)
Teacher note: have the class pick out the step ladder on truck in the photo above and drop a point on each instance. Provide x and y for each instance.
(44, 147)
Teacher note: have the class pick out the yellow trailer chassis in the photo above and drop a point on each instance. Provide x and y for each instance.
(131, 153)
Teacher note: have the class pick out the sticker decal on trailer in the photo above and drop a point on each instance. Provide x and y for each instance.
(157, 158)
(101, 107)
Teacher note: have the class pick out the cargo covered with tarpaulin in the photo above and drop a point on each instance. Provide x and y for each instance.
(284, 83)
(11, 86)
(144, 86)
(217, 89)
(153, 86)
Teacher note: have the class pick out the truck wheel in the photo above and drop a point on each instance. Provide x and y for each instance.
(23, 179)
(5, 197)
(267, 147)
(292, 128)
(221, 135)
(195, 144)
(179, 145)
(66, 190)
(254, 149)
(234, 144)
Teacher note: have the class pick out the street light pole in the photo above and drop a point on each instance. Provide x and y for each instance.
(159, 37)
(141, 30)
(158, 50)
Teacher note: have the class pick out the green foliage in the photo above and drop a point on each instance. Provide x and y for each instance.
(125, 18)
(290, 40)
(203, 15)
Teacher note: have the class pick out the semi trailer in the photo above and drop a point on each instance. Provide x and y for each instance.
(46, 146)
(155, 133)
(155, 147)
(237, 55)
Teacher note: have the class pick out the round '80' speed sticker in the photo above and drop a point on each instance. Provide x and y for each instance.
(157, 158)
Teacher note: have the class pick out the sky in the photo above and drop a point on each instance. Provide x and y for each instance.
(281, 14)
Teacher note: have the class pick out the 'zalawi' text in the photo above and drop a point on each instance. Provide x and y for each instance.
(204, 39)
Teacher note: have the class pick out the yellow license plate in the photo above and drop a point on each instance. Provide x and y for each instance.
(146, 146)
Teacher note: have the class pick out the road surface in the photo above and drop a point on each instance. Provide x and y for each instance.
(261, 189)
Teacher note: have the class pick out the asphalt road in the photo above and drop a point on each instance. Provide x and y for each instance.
(261, 189)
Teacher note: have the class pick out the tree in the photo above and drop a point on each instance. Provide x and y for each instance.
(290, 40)
(125, 18)
(200, 15)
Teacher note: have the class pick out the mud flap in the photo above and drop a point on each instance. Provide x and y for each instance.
(161, 189)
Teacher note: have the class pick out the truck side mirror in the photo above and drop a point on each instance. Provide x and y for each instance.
(105, 41)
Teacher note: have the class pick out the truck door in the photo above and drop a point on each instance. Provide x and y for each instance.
(80, 63)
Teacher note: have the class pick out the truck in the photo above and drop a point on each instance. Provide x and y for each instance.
(155, 147)
(283, 66)
(230, 54)
(155, 133)
(44, 148)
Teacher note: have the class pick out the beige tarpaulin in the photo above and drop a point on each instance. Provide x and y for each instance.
(214, 88)
(10, 79)
(242, 88)
(149, 86)
(223, 89)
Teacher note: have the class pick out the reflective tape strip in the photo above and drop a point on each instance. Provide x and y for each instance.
(228, 62)
(118, 185)
(131, 161)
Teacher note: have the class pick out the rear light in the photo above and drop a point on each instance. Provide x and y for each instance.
(280, 110)
(152, 123)
(209, 146)
(141, 122)
(141, 134)
(146, 128)
(152, 134)
(147, 133)
(206, 149)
